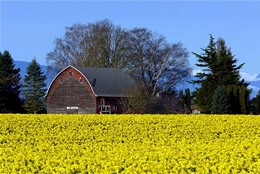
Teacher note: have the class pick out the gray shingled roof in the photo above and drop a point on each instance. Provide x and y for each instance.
(108, 82)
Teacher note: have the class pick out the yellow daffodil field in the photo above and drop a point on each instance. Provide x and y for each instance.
(129, 143)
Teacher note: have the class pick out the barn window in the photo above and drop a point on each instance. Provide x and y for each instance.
(80, 79)
(70, 73)
(61, 79)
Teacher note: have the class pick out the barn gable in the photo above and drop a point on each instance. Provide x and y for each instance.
(87, 90)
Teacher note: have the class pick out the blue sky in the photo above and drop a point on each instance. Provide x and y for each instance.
(29, 28)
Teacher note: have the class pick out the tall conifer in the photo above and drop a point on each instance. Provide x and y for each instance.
(256, 104)
(219, 69)
(34, 88)
(181, 102)
(9, 85)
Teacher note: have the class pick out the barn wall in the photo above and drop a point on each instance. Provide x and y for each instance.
(69, 94)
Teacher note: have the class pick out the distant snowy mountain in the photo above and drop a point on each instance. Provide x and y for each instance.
(250, 77)
(254, 82)
(257, 78)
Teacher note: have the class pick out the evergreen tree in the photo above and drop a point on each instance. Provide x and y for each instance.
(181, 102)
(239, 98)
(185, 101)
(220, 102)
(255, 104)
(34, 88)
(244, 99)
(9, 85)
(219, 70)
(233, 93)
(188, 100)
(227, 73)
(203, 95)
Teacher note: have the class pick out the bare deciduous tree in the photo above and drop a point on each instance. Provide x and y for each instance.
(99, 44)
(156, 65)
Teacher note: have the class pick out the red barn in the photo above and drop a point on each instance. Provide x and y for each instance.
(88, 90)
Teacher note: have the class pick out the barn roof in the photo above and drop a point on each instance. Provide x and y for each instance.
(107, 82)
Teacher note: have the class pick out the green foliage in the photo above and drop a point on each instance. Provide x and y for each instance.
(243, 99)
(181, 101)
(9, 85)
(220, 101)
(227, 72)
(219, 70)
(185, 101)
(239, 98)
(203, 95)
(188, 99)
(255, 104)
(233, 93)
(34, 88)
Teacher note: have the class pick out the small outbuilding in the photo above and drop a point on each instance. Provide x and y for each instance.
(88, 90)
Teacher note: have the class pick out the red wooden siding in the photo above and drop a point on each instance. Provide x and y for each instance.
(70, 92)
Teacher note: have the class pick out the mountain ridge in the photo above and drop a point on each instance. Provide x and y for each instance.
(23, 66)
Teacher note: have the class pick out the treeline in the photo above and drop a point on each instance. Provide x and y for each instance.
(156, 65)
(18, 97)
